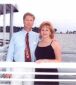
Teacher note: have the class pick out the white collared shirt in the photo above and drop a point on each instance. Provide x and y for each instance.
(17, 46)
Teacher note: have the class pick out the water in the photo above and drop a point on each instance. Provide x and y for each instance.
(68, 42)
(68, 45)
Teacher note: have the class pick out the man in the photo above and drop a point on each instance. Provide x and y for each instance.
(17, 47)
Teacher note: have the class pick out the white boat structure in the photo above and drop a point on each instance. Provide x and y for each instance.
(5, 37)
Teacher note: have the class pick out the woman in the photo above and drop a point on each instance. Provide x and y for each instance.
(47, 50)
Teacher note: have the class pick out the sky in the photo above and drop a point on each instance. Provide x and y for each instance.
(61, 13)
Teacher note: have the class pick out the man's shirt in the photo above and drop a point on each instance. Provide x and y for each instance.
(17, 46)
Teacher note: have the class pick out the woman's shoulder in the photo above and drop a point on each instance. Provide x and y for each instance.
(56, 43)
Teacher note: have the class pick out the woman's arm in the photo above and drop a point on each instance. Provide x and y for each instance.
(57, 49)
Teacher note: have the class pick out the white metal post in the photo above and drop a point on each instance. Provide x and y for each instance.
(11, 21)
(4, 24)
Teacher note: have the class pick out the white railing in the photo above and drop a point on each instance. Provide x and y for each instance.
(38, 65)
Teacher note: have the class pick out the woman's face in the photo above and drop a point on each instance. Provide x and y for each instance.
(45, 32)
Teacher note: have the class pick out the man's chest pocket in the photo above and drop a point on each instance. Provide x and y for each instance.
(19, 45)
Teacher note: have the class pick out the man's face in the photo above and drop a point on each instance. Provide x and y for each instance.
(28, 22)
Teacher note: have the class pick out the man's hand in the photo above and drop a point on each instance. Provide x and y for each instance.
(7, 75)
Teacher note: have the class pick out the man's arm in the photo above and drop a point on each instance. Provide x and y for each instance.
(10, 52)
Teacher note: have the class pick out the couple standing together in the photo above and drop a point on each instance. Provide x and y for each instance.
(43, 48)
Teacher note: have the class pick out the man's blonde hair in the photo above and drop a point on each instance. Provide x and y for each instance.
(28, 14)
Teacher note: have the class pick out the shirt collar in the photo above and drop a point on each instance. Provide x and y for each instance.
(24, 31)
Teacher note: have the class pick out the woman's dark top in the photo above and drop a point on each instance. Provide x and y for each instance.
(45, 53)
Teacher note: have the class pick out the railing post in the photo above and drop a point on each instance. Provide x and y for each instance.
(11, 21)
(4, 24)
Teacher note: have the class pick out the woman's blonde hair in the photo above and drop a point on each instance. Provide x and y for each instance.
(50, 27)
